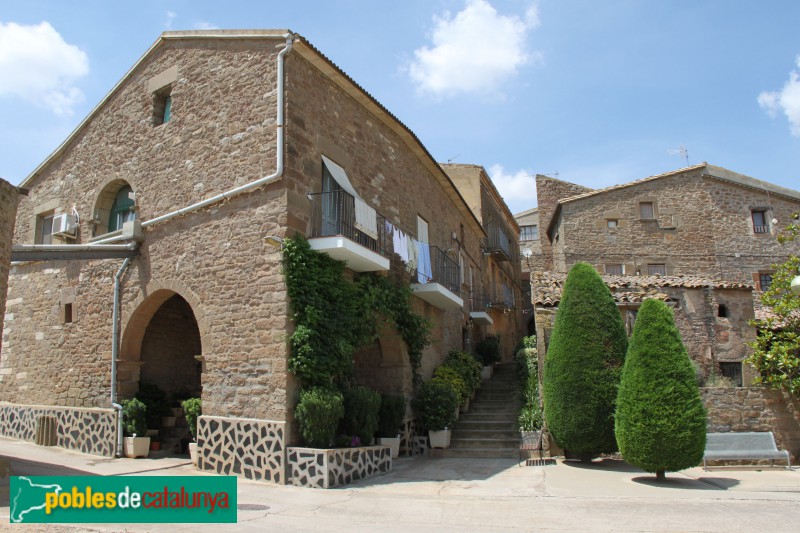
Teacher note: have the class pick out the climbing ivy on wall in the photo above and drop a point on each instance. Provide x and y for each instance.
(334, 316)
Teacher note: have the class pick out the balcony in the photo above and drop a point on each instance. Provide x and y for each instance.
(437, 278)
(335, 232)
(480, 304)
(498, 244)
(503, 298)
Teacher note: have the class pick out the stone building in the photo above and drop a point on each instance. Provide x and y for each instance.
(493, 277)
(163, 209)
(531, 259)
(701, 220)
(9, 197)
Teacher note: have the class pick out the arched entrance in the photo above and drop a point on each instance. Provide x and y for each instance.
(161, 363)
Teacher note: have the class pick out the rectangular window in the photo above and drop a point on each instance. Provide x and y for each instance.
(646, 210)
(529, 233)
(67, 313)
(760, 223)
(611, 223)
(461, 273)
(162, 106)
(764, 281)
(657, 269)
(732, 371)
(615, 268)
(45, 229)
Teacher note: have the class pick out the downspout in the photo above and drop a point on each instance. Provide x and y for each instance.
(279, 154)
(115, 351)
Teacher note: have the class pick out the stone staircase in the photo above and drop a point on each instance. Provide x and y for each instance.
(489, 429)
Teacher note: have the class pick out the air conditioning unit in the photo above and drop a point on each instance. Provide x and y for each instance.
(65, 225)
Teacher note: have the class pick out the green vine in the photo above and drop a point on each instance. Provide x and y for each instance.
(334, 316)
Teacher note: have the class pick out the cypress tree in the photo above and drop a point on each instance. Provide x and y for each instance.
(660, 420)
(583, 364)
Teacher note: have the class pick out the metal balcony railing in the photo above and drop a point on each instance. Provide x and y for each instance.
(760, 229)
(479, 299)
(444, 270)
(502, 297)
(333, 213)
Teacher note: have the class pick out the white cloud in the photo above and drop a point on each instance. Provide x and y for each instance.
(518, 189)
(40, 67)
(473, 51)
(171, 16)
(202, 25)
(787, 101)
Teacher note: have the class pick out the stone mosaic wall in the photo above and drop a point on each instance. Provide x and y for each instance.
(253, 449)
(91, 431)
(329, 468)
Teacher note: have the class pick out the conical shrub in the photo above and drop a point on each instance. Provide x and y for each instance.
(583, 365)
(660, 420)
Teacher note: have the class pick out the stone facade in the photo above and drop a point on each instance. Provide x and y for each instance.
(8, 211)
(755, 409)
(205, 302)
(699, 221)
(491, 279)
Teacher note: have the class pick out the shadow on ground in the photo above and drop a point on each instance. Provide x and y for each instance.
(679, 481)
(417, 469)
(12, 466)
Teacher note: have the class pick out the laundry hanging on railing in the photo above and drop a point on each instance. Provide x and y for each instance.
(366, 219)
(413, 253)
(424, 270)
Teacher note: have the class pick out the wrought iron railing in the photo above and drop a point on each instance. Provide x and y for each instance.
(333, 213)
(479, 299)
(502, 296)
(760, 229)
(443, 269)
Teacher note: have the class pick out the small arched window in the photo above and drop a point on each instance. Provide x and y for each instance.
(122, 209)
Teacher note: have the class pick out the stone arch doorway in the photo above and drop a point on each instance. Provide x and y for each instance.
(161, 361)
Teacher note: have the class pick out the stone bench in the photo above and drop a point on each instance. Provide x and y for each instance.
(740, 446)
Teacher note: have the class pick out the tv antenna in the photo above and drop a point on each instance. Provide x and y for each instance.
(682, 151)
(452, 158)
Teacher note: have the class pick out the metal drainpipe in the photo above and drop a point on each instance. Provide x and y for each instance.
(115, 351)
(248, 186)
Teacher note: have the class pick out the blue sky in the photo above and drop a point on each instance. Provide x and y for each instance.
(595, 91)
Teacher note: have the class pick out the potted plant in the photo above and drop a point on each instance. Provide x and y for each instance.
(318, 413)
(192, 409)
(390, 418)
(435, 405)
(134, 425)
(489, 350)
(447, 374)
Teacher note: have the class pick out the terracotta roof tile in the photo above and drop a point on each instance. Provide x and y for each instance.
(546, 286)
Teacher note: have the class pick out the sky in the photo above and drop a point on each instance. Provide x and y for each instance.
(591, 92)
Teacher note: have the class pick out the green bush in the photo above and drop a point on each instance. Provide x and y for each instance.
(390, 417)
(361, 407)
(134, 418)
(450, 376)
(489, 349)
(318, 413)
(467, 366)
(530, 417)
(155, 400)
(583, 365)
(192, 409)
(436, 405)
(660, 420)
(527, 362)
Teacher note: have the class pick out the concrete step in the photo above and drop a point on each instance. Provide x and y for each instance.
(467, 433)
(489, 453)
(484, 425)
(503, 418)
(512, 443)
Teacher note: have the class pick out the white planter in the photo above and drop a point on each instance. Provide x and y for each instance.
(439, 439)
(193, 452)
(393, 443)
(136, 446)
(486, 373)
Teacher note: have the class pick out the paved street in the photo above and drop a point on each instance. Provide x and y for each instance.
(428, 494)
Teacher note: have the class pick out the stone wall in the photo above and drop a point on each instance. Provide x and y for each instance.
(702, 226)
(755, 409)
(8, 210)
(387, 168)
(548, 192)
